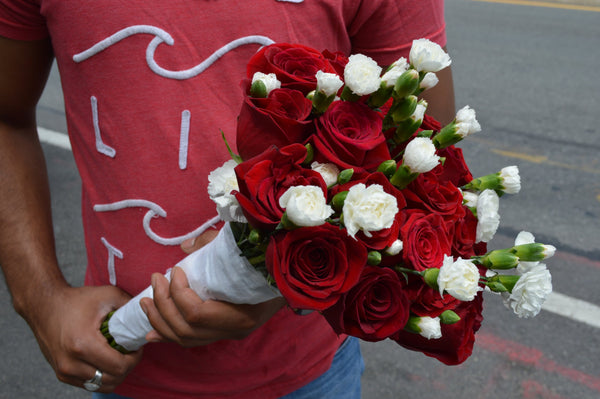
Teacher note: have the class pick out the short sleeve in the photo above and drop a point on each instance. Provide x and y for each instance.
(385, 29)
(22, 20)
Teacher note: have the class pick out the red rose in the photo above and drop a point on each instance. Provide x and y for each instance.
(349, 135)
(295, 65)
(279, 120)
(382, 238)
(427, 192)
(430, 123)
(456, 343)
(337, 59)
(463, 233)
(314, 266)
(425, 240)
(425, 301)
(454, 169)
(264, 178)
(376, 308)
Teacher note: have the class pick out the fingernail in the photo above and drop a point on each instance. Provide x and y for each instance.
(188, 244)
(144, 308)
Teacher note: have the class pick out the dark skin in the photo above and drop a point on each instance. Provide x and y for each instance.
(66, 319)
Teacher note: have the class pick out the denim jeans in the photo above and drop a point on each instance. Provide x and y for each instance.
(341, 381)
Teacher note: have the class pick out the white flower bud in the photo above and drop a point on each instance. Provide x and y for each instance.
(429, 81)
(270, 81)
(428, 56)
(420, 156)
(466, 122)
(221, 182)
(530, 292)
(394, 72)
(511, 181)
(328, 83)
(305, 205)
(459, 278)
(362, 74)
(329, 172)
(395, 248)
(488, 218)
(430, 327)
(525, 237)
(470, 198)
(368, 209)
(419, 113)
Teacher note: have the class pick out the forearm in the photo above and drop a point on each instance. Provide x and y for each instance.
(27, 252)
(440, 98)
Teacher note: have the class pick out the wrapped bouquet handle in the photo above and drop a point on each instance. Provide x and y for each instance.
(217, 271)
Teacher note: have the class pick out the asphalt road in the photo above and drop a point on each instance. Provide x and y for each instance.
(530, 73)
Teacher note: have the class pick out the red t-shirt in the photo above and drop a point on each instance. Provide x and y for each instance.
(145, 99)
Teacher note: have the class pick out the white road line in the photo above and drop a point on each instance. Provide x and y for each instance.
(54, 138)
(572, 308)
(560, 304)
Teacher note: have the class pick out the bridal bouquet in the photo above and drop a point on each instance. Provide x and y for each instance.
(346, 198)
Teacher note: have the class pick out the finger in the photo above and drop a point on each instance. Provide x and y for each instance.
(238, 319)
(194, 244)
(96, 354)
(169, 321)
(162, 331)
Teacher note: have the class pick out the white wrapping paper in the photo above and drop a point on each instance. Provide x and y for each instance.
(217, 271)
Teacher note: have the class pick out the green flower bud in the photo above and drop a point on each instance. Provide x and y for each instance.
(258, 89)
(502, 282)
(533, 252)
(374, 258)
(499, 259)
(403, 108)
(449, 317)
(406, 84)
(430, 276)
(337, 203)
(345, 176)
(310, 154)
(254, 237)
(388, 167)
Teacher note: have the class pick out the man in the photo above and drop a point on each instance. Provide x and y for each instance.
(145, 98)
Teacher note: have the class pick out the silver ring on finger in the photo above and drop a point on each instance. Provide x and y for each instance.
(94, 383)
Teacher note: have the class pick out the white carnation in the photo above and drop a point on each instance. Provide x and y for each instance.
(368, 209)
(428, 56)
(328, 171)
(328, 83)
(270, 80)
(429, 81)
(511, 181)
(459, 278)
(420, 156)
(488, 218)
(305, 205)
(221, 182)
(430, 327)
(530, 292)
(466, 122)
(362, 74)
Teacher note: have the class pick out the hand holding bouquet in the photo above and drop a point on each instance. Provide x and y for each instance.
(348, 199)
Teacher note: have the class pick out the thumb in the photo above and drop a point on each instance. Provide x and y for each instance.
(195, 243)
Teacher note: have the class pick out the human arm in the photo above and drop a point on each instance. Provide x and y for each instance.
(440, 98)
(64, 319)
